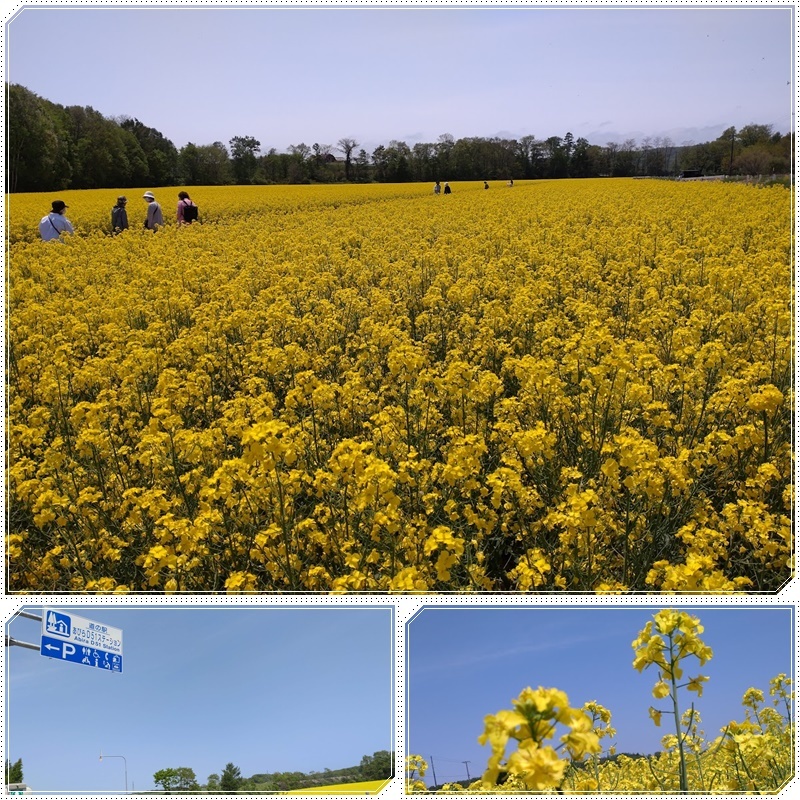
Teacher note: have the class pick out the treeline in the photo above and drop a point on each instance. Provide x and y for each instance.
(50, 147)
(378, 766)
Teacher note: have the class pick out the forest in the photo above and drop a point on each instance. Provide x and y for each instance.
(378, 766)
(50, 147)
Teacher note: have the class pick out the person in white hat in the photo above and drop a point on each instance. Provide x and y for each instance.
(55, 223)
(155, 217)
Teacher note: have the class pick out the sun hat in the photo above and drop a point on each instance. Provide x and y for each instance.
(59, 205)
(149, 196)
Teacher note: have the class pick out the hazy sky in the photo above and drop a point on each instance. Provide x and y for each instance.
(318, 74)
(465, 663)
(269, 689)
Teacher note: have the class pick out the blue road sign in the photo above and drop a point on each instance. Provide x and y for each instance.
(69, 637)
(80, 654)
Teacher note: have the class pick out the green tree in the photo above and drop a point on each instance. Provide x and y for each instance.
(378, 766)
(362, 165)
(231, 778)
(558, 159)
(14, 771)
(186, 778)
(160, 152)
(176, 778)
(167, 779)
(243, 156)
(212, 782)
(582, 163)
(205, 165)
(754, 134)
(36, 147)
(189, 163)
(99, 150)
(347, 145)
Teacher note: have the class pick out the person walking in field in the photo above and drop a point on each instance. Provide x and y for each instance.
(55, 223)
(155, 216)
(447, 188)
(187, 210)
(437, 188)
(119, 216)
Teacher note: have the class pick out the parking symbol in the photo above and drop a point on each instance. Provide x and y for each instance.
(58, 624)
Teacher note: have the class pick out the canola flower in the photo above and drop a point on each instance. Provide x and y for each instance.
(579, 386)
(533, 721)
(666, 641)
(560, 749)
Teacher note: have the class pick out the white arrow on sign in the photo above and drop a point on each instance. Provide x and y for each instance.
(51, 647)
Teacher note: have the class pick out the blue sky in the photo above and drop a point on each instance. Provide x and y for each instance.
(318, 74)
(465, 663)
(269, 689)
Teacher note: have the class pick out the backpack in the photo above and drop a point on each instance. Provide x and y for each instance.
(190, 213)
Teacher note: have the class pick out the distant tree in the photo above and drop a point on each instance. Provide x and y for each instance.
(166, 778)
(298, 163)
(583, 165)
(189, 162)
(557, 157)
(160, 152)
(205, 165)
(176, 778)
(243, 155)
(319, 164)
(36, 143)
(231, 778)
(569, 147)
(14, 771)
(346, 146)
(755, 160)
(726, 144)
(444, 147)
(378, 766)
(301, 151)
(754, 134)
(362, 165)
(530, 157)
(626, 160)
(186, 778)
(423, 161)
(212, 782)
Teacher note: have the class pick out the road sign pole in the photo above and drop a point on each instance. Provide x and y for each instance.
(11, 642)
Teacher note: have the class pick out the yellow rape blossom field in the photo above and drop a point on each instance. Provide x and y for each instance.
(565, 385)
(364, 787)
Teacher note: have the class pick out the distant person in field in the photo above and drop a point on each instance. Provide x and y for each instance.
(447, 189)
(155, 216)
(55, 223)
(119, 215)
(510, 182)
(485, 185)
(437, 188)
(187, 210)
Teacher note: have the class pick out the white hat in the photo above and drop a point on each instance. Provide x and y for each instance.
(149, 196)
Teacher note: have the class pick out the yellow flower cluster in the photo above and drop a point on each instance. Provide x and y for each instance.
(534, 720)
(578, 386)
